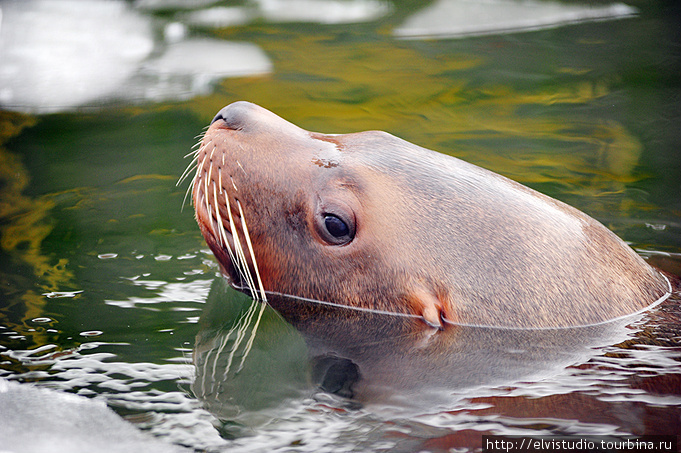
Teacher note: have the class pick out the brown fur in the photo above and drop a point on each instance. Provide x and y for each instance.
(435, 236)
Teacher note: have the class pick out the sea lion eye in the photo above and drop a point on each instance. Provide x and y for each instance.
(334, 222)
(336, 227)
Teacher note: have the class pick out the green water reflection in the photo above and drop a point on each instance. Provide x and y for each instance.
(97, 253)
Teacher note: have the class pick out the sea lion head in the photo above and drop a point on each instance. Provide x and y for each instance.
(370, 221)
(325, 214)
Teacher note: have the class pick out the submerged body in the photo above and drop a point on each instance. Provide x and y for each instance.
(368, 220)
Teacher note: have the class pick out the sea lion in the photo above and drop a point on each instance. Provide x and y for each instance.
(370, 221)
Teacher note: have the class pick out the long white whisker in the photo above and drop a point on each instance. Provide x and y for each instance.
(223, 233)
(195, 149)
(189, 190)
(232, 253)
(218, 218)
(187, 171)
(239, 252)
(193, 167)
(205, 196)
(247, 236)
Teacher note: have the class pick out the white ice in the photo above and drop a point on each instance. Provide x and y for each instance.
(57, 54)
(60, 55)
(456, 18)
(38, 420)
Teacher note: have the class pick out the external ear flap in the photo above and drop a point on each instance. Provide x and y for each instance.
(429, 306)
(431, 315)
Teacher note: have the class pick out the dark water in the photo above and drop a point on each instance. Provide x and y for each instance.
(107, 286)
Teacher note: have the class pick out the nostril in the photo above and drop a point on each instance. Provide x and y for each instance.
(234, 115)
(218, 117)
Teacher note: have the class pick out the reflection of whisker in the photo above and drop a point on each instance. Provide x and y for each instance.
(249, 343)
(218, 353)
(239, 332)
(241, 329)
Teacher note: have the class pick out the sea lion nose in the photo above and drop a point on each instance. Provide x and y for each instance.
(235, 115)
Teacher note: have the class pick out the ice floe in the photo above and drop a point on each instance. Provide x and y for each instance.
(457, 18)
(35, 419)
(60, 55)
(56, 54)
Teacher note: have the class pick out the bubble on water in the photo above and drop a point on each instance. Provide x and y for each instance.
(91, 333)
(62, 294)
(107, 256)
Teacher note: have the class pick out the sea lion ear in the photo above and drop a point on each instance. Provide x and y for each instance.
(431, 315)
(429, 307)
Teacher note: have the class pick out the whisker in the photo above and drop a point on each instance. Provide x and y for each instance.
(202, 164)
(223, 234)
(239, 251)
(207, 201)
(195, 149)
(187, 171)
(258, 297)
(190, 189)
(209, 176)
(241, 167)
(218, 218)
(193, 167)
(247, 236)
(239, 260)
